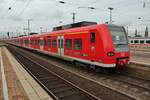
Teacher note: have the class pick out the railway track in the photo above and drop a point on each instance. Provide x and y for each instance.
(118, 86)
(131, 86)
(56, 86)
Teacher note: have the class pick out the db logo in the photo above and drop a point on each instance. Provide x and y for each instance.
(122, 54)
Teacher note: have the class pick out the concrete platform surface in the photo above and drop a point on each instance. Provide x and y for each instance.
(15, 82)
(140, 57)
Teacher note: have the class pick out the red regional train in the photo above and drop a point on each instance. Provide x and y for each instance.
(98, 45)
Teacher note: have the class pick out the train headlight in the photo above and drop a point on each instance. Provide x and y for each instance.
(111, 54)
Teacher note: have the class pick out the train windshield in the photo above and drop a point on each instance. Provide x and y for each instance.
(119, 38)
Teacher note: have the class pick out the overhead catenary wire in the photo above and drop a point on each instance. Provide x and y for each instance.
(6, 8)
(22, 11)
(78, 5)
(17, 11)
(12, 4)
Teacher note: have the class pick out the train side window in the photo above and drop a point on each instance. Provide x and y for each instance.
(54, 43)
(141, 41)
(38, 42)
(31, 42)
(136, 41)
(44, 42)
(41, 42)
(131, 41)
(35, 42)
(49, 43)
(20, 41)
(26, 41)
(148, 41)
(92, 37)
(69, 43)
(78, 44)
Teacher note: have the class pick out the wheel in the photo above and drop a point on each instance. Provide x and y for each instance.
(112, 70)
(98, 70)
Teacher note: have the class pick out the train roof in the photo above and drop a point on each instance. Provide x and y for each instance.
(74, 25)
(81, 26)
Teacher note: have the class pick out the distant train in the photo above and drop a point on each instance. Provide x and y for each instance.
(139, 42)
(98, 45)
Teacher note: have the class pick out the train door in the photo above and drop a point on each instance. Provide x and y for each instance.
(60, 45)
(92, 44)
(45, 43)
(23, 42)
(49, 43)
(41, 43)
(37, 42)
(29, 42)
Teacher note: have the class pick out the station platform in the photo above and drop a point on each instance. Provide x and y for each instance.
(141, 57)
(15, 82)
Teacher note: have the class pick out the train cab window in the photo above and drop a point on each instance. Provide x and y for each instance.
(54, 43)
(148, 41)
(68, 43)
(78, 44)
(92, 37)
(141, 41)
(49, 43)
(136, 41)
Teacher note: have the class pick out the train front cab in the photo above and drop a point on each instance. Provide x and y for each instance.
(121, 47)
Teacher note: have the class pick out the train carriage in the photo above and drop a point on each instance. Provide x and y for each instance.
(99, 45)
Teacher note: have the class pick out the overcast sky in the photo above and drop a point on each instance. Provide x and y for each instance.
(49, 13)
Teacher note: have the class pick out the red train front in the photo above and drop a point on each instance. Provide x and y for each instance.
(99, 45)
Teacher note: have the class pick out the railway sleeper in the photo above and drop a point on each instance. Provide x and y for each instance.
(75, 97)
(48, 81)
(56, 86)
(41, 74)
(67, 93)
(56, 90)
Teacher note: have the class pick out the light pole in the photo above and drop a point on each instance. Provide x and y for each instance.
(74, 14)
(73, 17)
(127, 31)
(41, 28)
(110, 8)
(29, 20)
